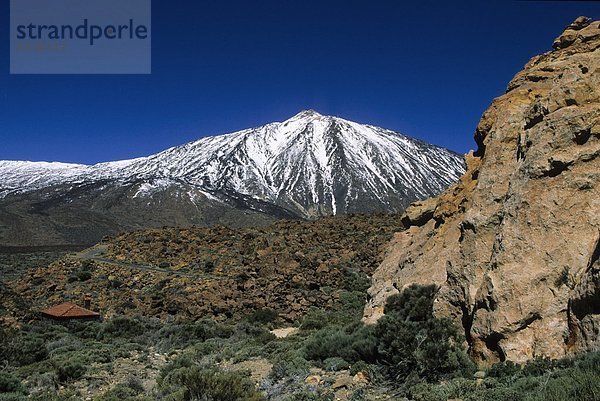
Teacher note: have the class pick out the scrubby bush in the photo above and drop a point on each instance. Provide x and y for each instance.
(185, 334)
(408, 340)
(69, 367)
(360, 366)
(356, 281)
(83, 273)
(572, 385)
(130, 390)
(66, 343)
(9, 383)
(335, 364)
(13, 397)
(195, 383)
(42, 383)
(296, 366)
(119, 392)
(183, 361)
(135, 383)
(123, 327)
(263, 316)
(314, 319)
(26, 349)
(588, 361)
(359, 395)
(209, 266)
(308, 395)
(246, 329)
(350, 308)
(539, 380)
(352, 343)
(502, 370)
(101, 353)
(412, 341)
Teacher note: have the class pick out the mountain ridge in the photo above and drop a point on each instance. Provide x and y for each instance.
(307, 166)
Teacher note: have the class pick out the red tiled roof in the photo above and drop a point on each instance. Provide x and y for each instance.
(69, 310)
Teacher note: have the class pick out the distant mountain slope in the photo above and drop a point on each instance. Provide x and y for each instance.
(308, 166)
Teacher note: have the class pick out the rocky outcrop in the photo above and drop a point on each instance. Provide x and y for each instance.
(514, 245)
(210, 272)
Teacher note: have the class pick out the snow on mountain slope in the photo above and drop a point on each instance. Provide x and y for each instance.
(310, 165)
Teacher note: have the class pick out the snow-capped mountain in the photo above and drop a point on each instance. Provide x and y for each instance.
(307, 166)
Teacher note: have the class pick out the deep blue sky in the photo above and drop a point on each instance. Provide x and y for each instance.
(425, 68)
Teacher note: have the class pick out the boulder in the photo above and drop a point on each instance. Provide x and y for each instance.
(418, 213)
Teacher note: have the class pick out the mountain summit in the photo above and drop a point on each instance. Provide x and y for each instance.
(307, 166)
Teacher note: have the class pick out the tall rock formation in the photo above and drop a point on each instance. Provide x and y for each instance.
(514, 245)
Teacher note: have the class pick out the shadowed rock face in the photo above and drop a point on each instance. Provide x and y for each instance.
(514, 244)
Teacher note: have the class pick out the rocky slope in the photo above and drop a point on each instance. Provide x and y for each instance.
(514, 245)
(217, 272)
(308, 166)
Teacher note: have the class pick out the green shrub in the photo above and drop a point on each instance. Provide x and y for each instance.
(314, 319)
(130, 390)
(27, 349)
(135, 383)
(414, 304)
(69, 367)
(101, 353)
(572, 385)
(183, 361)
(588, 361)
(356, 281)
(296, 366)
(308, 395)
(213, 385)
(123, 327)
(83, 273)
(360, 366)
(9, 383)
(504, 370)
(12, 397)
(86, 329)
(209, 266)
(352, 343)
(247, 329)
(411, 341)
(263, 316)
(207, 347)
(351, 307)
(359, 395)
(185, 334)
(545, 380)
(428, 392)
(335, 364)
(40, 383)
(537, 367)
(119, 392)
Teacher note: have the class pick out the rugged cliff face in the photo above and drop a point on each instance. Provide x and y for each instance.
(514, 245)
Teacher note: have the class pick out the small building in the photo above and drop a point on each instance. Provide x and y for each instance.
(69, 311)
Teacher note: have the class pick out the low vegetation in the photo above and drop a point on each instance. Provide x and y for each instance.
(207, 333)
(409, 353)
